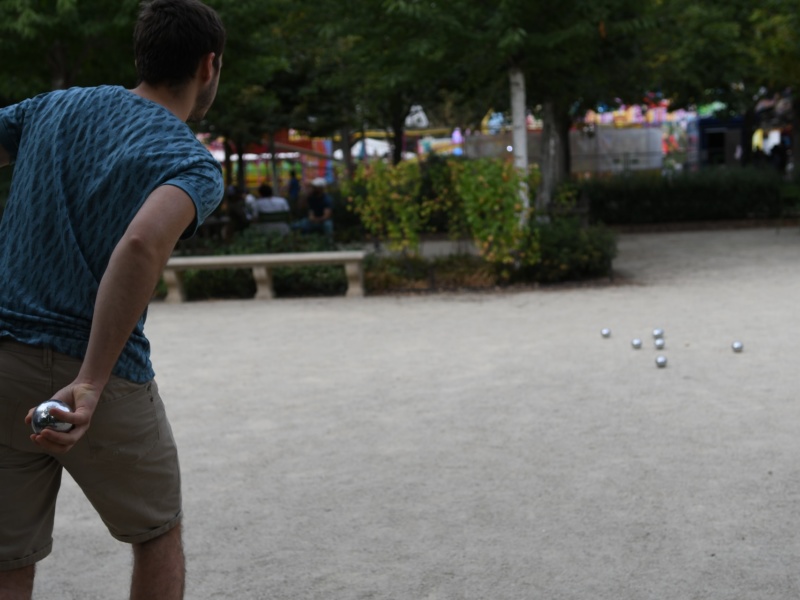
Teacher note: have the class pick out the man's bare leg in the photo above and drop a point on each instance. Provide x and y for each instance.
(17, 584)
(159, 569)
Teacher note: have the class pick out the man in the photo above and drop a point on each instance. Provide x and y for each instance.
(269, 213)
(320, 210)
(106, 181)
(266, 203)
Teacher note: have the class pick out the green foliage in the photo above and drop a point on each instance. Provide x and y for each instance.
(479, 199)
(712, 194)
(570, 252)
(493, 210)
(48, 45)
(386, 199)
(442, 207)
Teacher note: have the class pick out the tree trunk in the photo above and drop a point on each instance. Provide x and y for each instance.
(519, 134)
(59, 67)
(241, 180)
(228, 163)
(552, 157)
(273, 163)
(796, 138)
(564, 125)
(748, 126)
(398, 123)
(347, 143)
(519, 131)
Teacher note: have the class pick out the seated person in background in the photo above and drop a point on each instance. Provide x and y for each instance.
(320, 210)
(269, 212)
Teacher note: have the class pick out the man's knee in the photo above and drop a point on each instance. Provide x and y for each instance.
(167, 543)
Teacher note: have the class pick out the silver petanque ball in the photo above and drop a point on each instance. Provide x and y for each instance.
(659, 342)
(42, 418)
(658, 333)
(605, 333)
(636, 343)
(737, 346)
(661, 362)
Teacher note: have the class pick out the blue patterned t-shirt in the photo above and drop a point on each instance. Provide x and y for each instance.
(86, 159)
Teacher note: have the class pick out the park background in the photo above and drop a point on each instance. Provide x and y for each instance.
(525, 134)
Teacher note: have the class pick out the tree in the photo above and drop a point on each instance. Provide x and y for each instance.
(775, 53)
(569, 53)
(733, 51)
(54, 45)
(395, 53)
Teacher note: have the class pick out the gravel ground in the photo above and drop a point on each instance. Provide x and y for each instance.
(485, 446)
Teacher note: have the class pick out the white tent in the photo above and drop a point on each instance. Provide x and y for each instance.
(374, 148)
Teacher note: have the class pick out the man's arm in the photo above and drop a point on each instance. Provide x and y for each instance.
(124, 293)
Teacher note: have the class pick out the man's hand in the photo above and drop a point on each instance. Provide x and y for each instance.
(82, 398)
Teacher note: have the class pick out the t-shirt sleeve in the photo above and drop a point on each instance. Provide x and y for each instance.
(12, 121)
(203, 182)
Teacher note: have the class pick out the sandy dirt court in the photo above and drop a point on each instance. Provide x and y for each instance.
(485, 446)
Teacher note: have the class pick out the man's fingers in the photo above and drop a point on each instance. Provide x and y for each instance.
(75, 418)
(54, 446)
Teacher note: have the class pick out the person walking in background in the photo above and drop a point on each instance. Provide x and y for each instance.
(86, 233)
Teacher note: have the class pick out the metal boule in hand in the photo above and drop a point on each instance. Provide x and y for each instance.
(42, 419)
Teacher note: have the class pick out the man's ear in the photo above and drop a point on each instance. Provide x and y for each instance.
(205, 69)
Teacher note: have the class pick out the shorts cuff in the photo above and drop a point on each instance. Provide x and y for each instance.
(18, 563)
(152, 534)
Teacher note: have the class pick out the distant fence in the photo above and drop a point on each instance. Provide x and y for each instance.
(605, 151)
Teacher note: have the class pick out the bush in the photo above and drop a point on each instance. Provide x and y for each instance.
(570, 252)
(710, 194)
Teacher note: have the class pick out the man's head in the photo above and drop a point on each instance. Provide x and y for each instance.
(173, 38)
(265, 190)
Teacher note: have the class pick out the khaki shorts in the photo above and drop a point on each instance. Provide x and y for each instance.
(126, 464)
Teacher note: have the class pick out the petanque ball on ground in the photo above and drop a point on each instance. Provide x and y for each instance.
(661, 362)
(737, 346)
(605, 333)
(658, 333)
(636, 343)
(42, 418)
(659, 342)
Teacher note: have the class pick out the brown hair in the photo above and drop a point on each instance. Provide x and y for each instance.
(172, 36)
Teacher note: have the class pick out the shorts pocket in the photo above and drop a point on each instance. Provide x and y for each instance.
(124, 428)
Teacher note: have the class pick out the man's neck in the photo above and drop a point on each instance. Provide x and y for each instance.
(178, 104)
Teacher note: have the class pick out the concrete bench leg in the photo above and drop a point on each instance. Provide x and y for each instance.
(263, 283)
(175, 291)
(355, 279)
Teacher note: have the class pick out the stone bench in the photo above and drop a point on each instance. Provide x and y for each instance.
(261, 264)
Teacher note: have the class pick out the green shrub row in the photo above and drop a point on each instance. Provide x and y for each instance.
(710, 194)
(569, 253)
(286, 281)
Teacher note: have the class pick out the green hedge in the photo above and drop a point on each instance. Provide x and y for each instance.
(569, 252)
(710, 194)
(286, 281)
